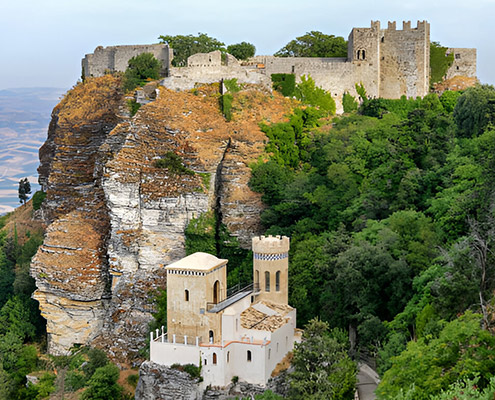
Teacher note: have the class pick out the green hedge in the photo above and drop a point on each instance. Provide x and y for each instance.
(284, 83)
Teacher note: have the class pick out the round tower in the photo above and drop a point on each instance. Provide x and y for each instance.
(271, 268)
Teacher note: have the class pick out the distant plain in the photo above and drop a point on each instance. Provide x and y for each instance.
(24, 117)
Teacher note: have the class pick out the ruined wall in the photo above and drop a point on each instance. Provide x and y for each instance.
(116, 58)
(464, 63)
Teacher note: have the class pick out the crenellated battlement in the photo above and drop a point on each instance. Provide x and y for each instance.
(271, 244)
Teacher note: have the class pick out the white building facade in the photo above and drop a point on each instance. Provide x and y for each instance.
(243, 335)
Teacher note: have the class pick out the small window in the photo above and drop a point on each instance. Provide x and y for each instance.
(457, 56)
(293, 69)
(228, 356)
(457, 68)
(214, 358)
(210, 336)
(206, 361)
(267, 281)
(277, 347)
(186, 295)
(363, 54)
(249, 358)
(383, 39)
(269, 353)
(358, 55)
(277, 281)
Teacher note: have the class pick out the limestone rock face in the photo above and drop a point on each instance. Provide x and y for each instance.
(116, 219)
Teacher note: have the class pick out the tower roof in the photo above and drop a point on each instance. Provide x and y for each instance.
(198, 262)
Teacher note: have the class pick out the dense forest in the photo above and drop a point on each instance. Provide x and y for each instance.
(390, 210)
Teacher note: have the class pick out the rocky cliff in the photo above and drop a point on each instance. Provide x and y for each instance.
(115, 219)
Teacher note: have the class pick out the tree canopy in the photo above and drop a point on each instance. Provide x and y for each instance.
(140, 68)
(24, 190)
(314, 44)
(187, 45)
(242, 51)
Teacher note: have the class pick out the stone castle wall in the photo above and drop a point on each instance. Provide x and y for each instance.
(464, 63)
(116, 58)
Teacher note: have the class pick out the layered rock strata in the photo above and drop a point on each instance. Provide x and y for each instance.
(117, 219)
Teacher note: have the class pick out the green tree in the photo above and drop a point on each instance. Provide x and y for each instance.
(187, 45)
(103, 384)
(322, 368)
(309, 93)
(140, 68)
(24, 190)
(242, 51)
(475, 109)
(462, 351)
(314, 44)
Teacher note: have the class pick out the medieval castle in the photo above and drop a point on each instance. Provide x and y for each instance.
(389, 62)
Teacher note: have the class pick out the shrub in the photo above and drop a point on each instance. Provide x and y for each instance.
(226, 103)
(97, 359)
(232, 85)
(133, 106)
(142, 67)
(38, 199)
(173, 163)
(284, 83)
(74, 381)
(133, 380)
(349, 103)
(439, 62)
(310, 94)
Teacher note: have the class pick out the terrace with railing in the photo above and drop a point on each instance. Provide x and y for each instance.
(234, 294)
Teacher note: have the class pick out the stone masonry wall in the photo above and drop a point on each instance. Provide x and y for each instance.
(116, 58)
(464, 63)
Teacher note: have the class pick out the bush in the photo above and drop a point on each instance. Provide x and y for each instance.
(349, 103)
(38, 199)
(97, 359)
(133, 380)
(141, 68)
(133, 106)
(74, 381)
(173, 163)
(226, 103)
(284, 83)
(232, 85)
(103, 384)
(310, 94)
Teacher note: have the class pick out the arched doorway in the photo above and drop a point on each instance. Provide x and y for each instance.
(216, 292)
(210, 336)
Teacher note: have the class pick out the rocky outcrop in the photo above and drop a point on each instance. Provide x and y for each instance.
(158, 382)
(117, 219)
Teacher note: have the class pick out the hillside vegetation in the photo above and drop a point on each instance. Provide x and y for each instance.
(390, 214)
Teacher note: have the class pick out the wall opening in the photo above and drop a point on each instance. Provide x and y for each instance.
(216, 292)
(210, 336)
(257, 277)
(228, 356)
(249, 358)
(267, 281)
(214, 358)
(269, 353)
(277, 281)
(206, 361)
(363, 55)
(186, 295)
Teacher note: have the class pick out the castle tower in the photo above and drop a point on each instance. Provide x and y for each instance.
(364, 52)
(271, 268)
(194, 285)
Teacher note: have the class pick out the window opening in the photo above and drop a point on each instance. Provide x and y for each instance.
(277, 281)
(210, 336)
(186, 295)
(249, 358)
(216, 292)
(214, 358)
(267, 281)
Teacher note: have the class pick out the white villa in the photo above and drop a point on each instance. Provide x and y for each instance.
(244, 334)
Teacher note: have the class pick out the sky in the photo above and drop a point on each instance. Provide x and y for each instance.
(42, 41)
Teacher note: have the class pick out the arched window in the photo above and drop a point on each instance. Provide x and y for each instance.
(363, 54)
(210, 336)
(186, 295)
(277, 281)
(249, 355)
(214, 358)
(267, 281)
(358, 55)
(216, 292)
(228, 356)
(257, 277)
